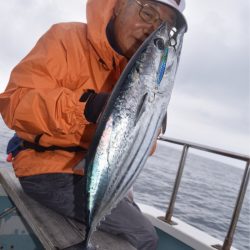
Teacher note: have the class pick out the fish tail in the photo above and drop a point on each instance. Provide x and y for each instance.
(87, 230)
(87, 246)
(86, 243)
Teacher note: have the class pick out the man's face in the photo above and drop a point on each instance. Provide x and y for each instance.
(130, 30)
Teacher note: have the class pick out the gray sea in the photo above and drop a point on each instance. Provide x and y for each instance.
(206, 197)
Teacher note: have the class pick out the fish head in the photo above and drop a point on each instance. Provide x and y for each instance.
(159, 59)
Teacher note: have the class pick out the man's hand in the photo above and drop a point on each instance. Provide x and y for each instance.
(95, 104)
(155, 145)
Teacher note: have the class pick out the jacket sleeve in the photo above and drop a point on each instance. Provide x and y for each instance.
(38, 98)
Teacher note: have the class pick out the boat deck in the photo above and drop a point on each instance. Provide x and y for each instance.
(53, 230)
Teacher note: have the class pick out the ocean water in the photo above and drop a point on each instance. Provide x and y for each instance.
(207, 193)
(206, 196)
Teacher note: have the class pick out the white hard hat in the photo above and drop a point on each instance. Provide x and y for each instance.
(179, 6)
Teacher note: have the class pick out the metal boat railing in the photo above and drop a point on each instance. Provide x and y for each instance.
(238, 205)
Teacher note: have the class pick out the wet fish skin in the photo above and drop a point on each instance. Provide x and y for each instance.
(130, 124)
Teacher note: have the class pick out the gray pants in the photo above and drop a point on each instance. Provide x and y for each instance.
(65, 194)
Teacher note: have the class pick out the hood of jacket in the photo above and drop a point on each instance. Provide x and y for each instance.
(99, 13)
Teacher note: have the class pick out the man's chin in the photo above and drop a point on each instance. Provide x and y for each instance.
(132, 51)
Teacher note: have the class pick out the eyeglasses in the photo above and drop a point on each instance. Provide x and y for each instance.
(150, 15)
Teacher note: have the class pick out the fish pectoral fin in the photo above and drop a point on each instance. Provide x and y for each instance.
(141, 107)
(164, 123)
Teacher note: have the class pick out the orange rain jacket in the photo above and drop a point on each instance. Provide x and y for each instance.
(42, 96)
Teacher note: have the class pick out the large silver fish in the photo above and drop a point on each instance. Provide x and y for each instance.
(130, 123)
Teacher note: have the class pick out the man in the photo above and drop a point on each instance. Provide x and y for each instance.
(56, 94)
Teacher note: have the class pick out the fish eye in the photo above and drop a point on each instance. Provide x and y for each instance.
(159, 43)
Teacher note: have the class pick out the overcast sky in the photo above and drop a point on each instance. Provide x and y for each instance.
(211, 99)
